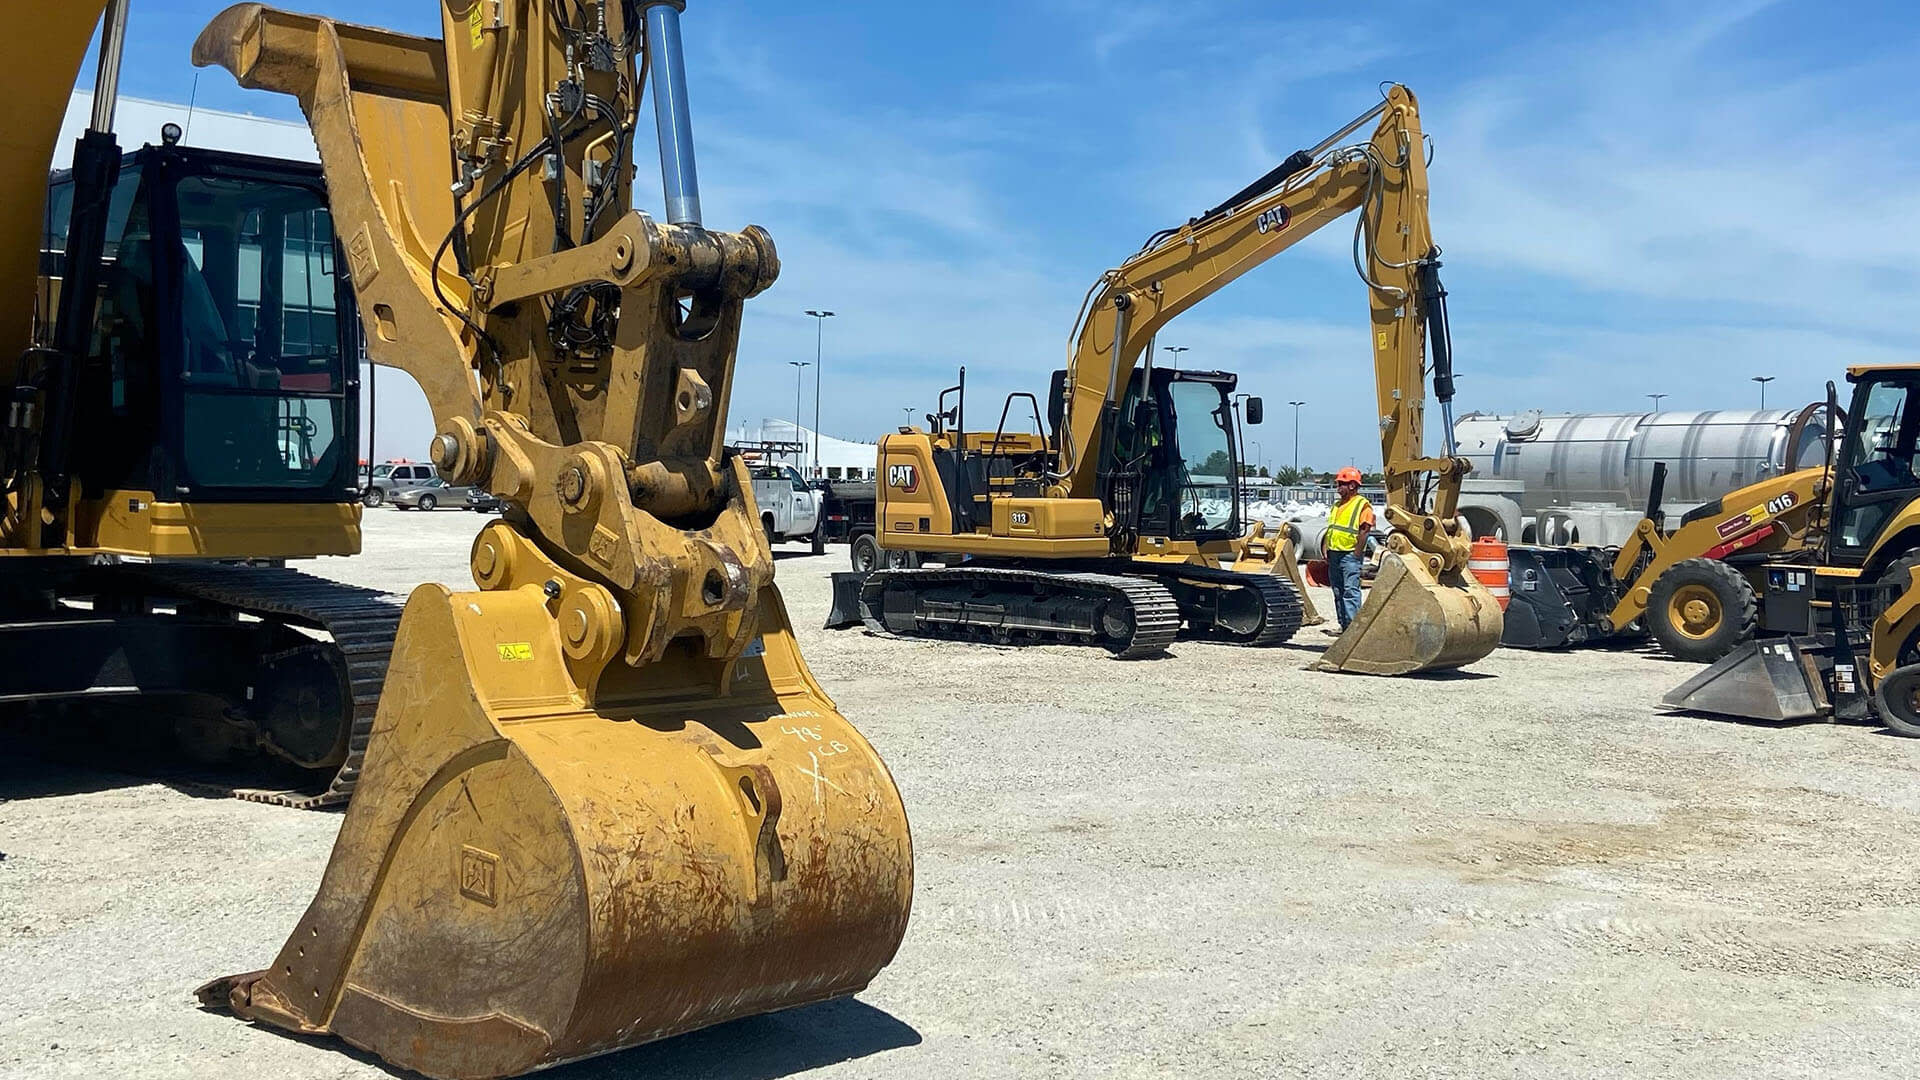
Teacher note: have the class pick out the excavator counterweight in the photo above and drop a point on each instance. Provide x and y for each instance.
(603, 800)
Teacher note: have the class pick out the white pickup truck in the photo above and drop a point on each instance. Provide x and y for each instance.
(789, 509)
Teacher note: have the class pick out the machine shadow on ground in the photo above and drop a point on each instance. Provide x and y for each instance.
(764, 1047)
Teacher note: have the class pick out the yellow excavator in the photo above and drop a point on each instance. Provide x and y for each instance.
(600, 800)
(1107, 523)
(181, 367)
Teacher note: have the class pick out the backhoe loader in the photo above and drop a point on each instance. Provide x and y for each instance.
(604, 800)
(182, 377)
(1108, 524)
(1847, 607)
(1699, 588)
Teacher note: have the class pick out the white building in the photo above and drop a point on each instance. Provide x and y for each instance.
(840, 459)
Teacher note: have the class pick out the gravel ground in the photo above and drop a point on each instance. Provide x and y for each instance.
(1216, 864)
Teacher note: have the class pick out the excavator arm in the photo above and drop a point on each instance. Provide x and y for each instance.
(1383, 177)
(604, 800)
(1425, 610)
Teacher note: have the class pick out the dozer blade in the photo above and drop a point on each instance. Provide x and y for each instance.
(846, 600)
(1760, 680)
(522, 881)
(1414, 621)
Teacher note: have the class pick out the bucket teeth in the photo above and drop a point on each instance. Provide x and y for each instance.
(1414, 621)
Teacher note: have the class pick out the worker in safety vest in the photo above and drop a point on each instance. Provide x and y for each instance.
(1349, 524)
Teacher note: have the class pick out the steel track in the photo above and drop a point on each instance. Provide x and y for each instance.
(362, 623)
(1005, 603)
(1281, 611)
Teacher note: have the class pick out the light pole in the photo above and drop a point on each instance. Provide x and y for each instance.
(1656, 401)
(1296, 437)
(819, 333)
(1176, 350)
(1256, 455)
(799, 368)
(1763, 380)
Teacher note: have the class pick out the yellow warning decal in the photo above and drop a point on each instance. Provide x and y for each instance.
(514, 651)
(1383, 339)
(474, 21)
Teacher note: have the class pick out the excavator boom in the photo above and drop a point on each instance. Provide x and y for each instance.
(604, 801)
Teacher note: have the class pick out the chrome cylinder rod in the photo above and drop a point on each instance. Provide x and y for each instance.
(671, 117)
(106, 83)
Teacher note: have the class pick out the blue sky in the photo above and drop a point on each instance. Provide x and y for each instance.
(1632, 198)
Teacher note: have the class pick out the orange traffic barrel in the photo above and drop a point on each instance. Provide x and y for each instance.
(1488, 561)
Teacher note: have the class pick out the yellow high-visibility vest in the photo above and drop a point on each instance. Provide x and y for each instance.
(1343, 524)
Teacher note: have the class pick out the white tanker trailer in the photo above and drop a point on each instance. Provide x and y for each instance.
(1585, 478)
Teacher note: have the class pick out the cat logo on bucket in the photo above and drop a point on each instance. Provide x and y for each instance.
(904, 477)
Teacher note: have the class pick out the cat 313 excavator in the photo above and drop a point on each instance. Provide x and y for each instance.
(1111, 529)
(602, 801)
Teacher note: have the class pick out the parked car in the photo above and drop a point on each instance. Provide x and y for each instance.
(431, 495)
(483, 502)
(789, 509)
(394, 477)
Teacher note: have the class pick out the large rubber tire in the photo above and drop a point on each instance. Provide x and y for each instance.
(1898, 571)
(1701, 610)
(820, 538)
(1897, 700)
(374, 497)
(900, 560)
(865, 555)
(428, 502)
(766, 526)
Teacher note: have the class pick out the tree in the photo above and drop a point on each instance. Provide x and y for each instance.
(1218, 463)
(1289, 475)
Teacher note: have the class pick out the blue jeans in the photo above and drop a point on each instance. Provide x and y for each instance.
(1343, 573)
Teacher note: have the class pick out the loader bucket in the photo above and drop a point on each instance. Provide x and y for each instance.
(1760, 680)
(521, 880)
(1414, 620)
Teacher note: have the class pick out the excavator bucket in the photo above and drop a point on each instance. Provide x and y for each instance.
(604, 802)
(1416, 620)
(521, 881)
(1760, 680)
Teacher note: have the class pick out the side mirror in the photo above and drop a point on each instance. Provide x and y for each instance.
(1256, 410)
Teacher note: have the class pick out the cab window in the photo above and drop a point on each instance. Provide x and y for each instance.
(261, 358)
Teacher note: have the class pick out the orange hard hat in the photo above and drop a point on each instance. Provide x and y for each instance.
(1348, 475)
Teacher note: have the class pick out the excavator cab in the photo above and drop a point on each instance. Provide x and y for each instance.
(1172, 465)
(222, 363)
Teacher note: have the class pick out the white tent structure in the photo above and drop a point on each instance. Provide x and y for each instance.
(840, 459)
(137, 121)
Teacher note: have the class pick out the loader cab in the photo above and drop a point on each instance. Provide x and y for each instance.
(1874, 471)
(223, 359)
(1176, 438)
